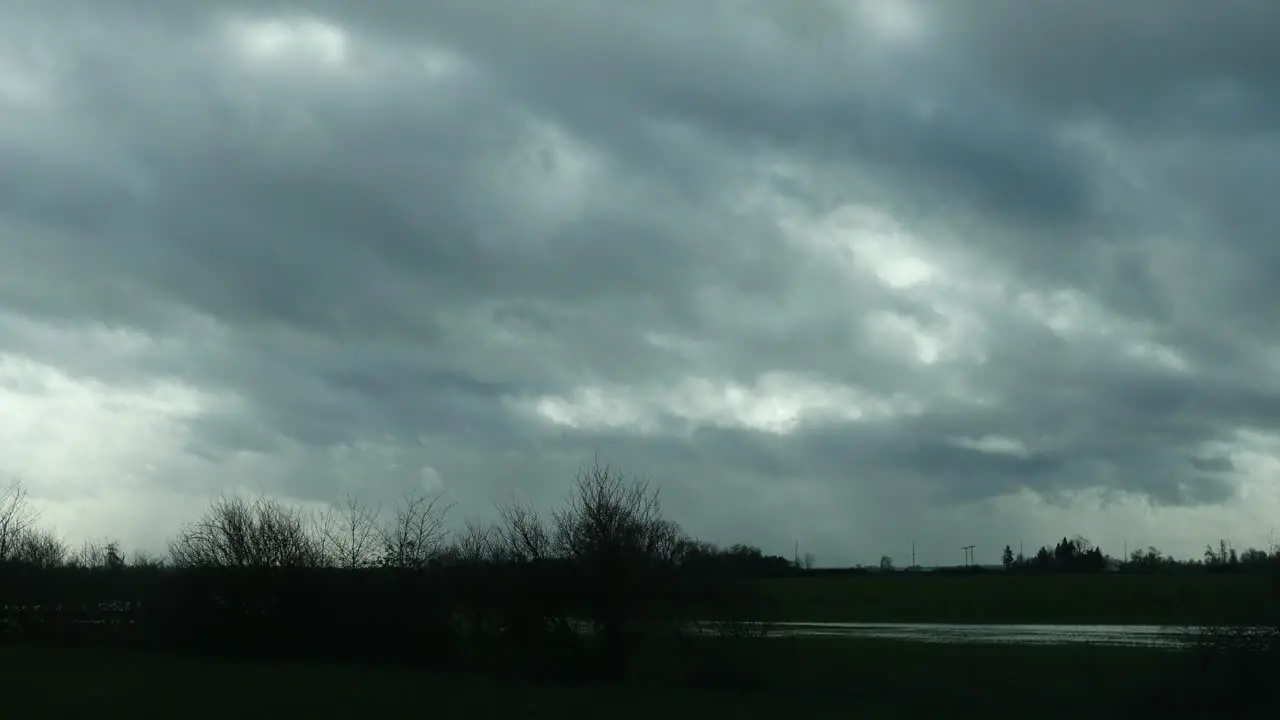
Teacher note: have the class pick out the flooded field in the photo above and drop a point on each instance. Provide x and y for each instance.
(1117, 635)
(1167, 636)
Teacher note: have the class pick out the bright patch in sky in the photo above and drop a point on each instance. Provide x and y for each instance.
(893, 21)
(995, 445)
(302, 40)
(777, 403)
(55, 426)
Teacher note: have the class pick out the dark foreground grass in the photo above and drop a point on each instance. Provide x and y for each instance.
(1156, 599)
(757, 679)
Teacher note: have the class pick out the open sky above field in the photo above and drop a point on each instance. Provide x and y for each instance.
(850, 274)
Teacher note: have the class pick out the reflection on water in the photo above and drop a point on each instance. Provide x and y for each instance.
(1123, 635)
(1167, 636)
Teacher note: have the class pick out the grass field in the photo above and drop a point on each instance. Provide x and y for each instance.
(792, 678)
(1160, 599)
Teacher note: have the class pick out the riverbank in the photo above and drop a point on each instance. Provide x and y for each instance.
(1097, 599)
(809, 677)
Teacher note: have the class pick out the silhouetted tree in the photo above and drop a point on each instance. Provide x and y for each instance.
(1255, 557)
(350, 536)
(144, 559)
(613, 536)
(16, 517)
(475, 544)
(1007, 557)
(39, 548)
(416, 532)
(886, 563)
(97, 554)
(610, 521)
(235, 532)
(1076, 554)
(522, 537)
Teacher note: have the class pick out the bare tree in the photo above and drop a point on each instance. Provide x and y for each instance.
(97, 554)
(612, 521)
(144, 559)
(41, 548)
(416, 533)
(350, 536)
(626, 558)
(522, 536)
(239, 533)
(16, 517)
(477, 543)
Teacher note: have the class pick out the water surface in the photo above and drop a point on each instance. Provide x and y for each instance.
(1120, 635)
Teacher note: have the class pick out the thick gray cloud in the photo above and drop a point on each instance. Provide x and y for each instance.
(850, 273)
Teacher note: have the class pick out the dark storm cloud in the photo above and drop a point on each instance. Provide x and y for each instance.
(1144, 64)
(383, 256)
(1212, 464)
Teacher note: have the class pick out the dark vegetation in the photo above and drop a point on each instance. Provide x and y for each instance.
(604, 589)
(546, 612)
(803, 678)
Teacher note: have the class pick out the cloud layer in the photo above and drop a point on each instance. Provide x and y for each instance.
(845, 273)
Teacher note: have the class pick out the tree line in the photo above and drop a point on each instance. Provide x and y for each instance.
(605, 586)
(1078, 554)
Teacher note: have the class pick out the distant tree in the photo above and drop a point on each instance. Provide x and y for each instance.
(807, 561)
(1219, 557)
(236, 532)
(144, 559)
(475, 544)
(97, 554)
(1077, 554)
(886, 563)
(1149, 559)
(16, 517)
(611, 521)
(1007, 557)
(39, 548)
(349, 535)
(115, 558)
(415, 536)
(1254, 556)
(522, 535)
(625, 554)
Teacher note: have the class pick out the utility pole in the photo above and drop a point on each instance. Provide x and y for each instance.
(913, 553)
(968, 554)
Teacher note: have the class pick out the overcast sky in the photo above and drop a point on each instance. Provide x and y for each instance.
(848, 274)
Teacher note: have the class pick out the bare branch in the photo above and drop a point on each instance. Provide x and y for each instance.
(350, 536)
(477, 543)
(416, 533)
(97, 554)
(16, 517)
(238, 533)
(41, 548)
(610, 521)
(523, 535)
